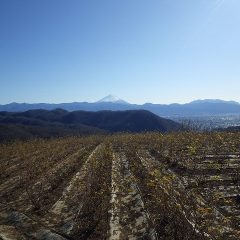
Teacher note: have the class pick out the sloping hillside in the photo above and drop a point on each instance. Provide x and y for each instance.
(131, 121)
(176, 186)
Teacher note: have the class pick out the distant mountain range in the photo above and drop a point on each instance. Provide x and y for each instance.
(207, 107)
(45, 123)
(213, 101)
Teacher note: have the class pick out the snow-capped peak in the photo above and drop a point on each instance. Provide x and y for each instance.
(112, 99)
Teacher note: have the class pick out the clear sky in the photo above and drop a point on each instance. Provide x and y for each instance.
(159, 51)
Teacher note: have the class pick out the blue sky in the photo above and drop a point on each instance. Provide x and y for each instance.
(160, 51)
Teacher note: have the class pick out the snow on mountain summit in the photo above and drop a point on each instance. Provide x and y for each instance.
(112, 99)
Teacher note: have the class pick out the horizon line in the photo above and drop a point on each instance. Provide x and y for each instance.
(55, 103)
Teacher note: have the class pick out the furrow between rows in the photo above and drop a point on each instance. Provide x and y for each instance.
(129, 218)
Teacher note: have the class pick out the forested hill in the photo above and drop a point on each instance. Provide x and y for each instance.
(58, 122)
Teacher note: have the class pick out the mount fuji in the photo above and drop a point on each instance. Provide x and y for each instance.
(112, 99)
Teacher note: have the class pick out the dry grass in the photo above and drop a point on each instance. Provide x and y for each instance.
(177, 186)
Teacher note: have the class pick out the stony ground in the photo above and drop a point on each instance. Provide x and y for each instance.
(120, 187)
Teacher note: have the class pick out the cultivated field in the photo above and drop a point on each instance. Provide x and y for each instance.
(143, 186)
